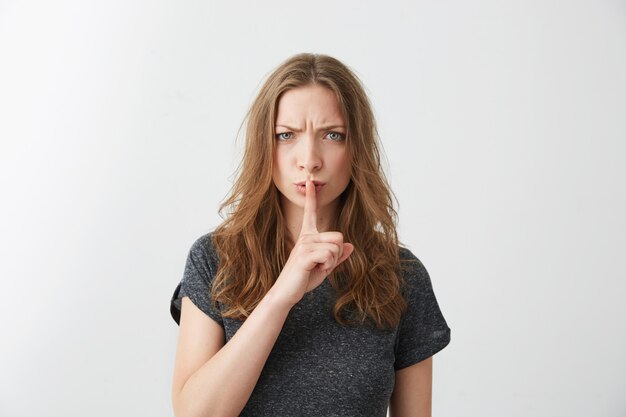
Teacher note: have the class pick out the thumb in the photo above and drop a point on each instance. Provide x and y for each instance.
(348, 248)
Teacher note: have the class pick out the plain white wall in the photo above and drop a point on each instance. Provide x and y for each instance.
(503, 124)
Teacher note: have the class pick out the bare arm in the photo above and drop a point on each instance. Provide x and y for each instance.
(216, 379)
(213, 379)
(412, 393)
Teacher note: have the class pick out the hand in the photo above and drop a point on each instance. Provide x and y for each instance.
(314, 256)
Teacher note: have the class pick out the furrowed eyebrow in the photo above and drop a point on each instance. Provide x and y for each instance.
(293, 129)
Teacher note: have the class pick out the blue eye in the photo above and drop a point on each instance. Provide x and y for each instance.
(279, 137)
(338, 136)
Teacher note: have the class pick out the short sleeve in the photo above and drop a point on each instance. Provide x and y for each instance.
(423, 330)
(197, 279)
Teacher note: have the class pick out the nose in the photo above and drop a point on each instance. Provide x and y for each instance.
(308, 155)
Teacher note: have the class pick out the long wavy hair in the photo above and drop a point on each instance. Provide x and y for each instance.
(251, 241)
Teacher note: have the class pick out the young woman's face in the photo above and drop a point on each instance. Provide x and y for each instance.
(310, 145)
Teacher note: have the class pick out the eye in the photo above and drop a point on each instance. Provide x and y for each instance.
(336, 136)
(280, 136)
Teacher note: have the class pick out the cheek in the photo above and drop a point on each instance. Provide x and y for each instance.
(278, 165)
(341, 163)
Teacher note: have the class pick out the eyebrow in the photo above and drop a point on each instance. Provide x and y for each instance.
(321, 128)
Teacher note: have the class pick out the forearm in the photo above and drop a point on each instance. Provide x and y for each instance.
(223, 385)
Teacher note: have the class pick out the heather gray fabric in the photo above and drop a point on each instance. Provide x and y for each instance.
(317, 367)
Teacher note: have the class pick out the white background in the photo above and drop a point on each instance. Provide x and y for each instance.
(504, 127)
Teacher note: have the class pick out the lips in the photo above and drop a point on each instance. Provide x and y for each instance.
(303, 183)
(301, 186)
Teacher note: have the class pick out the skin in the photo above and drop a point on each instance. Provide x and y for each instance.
(212, 377)
(314, 256)
(412, 392)
(215, 378)
(306, 149)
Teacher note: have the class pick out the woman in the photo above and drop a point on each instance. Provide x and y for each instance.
(302, 302)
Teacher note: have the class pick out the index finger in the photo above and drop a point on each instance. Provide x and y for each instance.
(309, 219)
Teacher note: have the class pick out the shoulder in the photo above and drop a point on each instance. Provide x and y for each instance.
(203, 248)
(423, 330)
(197, 280)
(406, 254)
(411, 265)
(204, 243)
(415, 279)
(202, 261)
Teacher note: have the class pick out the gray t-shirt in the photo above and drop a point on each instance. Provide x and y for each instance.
(318, 367)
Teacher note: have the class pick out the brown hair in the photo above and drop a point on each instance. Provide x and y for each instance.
(251, 241)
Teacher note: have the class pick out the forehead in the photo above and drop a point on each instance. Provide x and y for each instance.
(312, 103)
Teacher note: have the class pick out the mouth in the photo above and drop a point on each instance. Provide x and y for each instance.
(301, 186)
